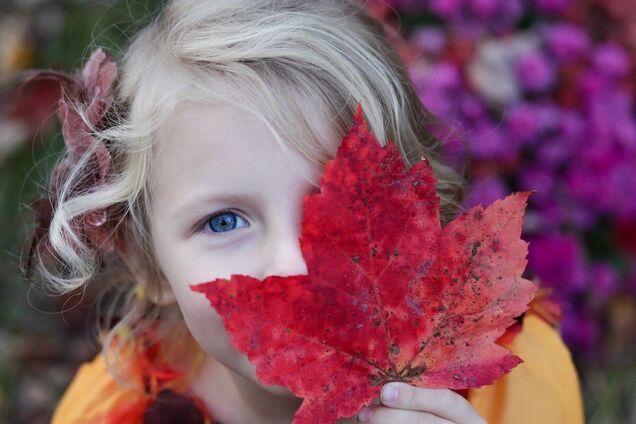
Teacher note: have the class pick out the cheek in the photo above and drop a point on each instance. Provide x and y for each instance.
(205, 324)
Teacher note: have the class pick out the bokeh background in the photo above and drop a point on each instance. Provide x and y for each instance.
(536, 95)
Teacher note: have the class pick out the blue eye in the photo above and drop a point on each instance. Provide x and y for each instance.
(224, 221)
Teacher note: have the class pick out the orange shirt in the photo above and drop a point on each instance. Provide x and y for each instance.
(543, 389)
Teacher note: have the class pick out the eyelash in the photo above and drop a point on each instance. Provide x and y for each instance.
(204, 227)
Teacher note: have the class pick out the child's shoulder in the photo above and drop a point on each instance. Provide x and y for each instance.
(95, 396)
(545, 387)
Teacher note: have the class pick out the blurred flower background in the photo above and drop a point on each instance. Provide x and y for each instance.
(536, 95)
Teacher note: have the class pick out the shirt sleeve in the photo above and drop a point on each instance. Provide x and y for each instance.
(544, 388)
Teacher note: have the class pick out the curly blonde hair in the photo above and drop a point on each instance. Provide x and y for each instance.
(328, 51)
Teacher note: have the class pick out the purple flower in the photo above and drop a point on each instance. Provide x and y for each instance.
(508, 14)
(592, 86)
(580, 331)
(557, 259)
(487, 142)
(552, 153)
(602, 279)
(553, 6)
(586, 188)
(535, 71)
(437, 101)
(566, 41)
(572, 128)
(580, 217)
(630, 284)
(621, 183)
(472, 108)
(523, 124)
(485, 191)
(612, 60)
(446, 8)
(444, 75)
(431, 40)
(437, 88)
(537, 178)
(527, 121)
(550, 214)
(484, 9)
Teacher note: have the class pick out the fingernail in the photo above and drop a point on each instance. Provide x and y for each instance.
(390, 393)
(365, 414)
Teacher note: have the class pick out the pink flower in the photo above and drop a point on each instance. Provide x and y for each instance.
(92, 90)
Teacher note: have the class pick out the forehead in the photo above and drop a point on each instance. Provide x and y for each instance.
(208, 147)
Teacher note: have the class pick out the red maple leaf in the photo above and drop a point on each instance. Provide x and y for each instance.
(389, 295)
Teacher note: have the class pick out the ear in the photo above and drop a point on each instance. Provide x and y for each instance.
(163, 295)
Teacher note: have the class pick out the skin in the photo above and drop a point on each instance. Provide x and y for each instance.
(210, 149)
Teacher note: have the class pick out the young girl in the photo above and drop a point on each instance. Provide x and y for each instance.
(222, 116)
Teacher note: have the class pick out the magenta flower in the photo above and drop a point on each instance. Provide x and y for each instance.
(557, 259)
(603, 280)
(553, 6)
(537, 178)
(431, 40)
(445, 8)
(485, 191)
(612, 60)
(535, 71)
(566, 41)
(581, 331)
(527, 121)
(485, 9)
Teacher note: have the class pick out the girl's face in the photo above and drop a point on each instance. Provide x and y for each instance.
(227, 199)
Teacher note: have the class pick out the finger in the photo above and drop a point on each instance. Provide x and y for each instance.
(384, 415)
(444, 403)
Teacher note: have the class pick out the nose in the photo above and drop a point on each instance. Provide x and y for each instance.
(282, 254)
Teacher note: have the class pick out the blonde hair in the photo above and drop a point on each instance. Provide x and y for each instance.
(328, 52)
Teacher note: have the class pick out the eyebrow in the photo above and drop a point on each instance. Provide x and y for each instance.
(192, 205)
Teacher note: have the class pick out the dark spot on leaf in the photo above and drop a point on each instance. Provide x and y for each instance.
(376, 322)
(355, 258)
(396, 253)
(437, 334)
(395, 349)
(374, 251)
(475, 247)
(495, 244)
(408, 372)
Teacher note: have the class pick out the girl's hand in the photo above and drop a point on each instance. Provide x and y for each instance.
(406, 404)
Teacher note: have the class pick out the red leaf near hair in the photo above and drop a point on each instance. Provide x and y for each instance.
(390, 294)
